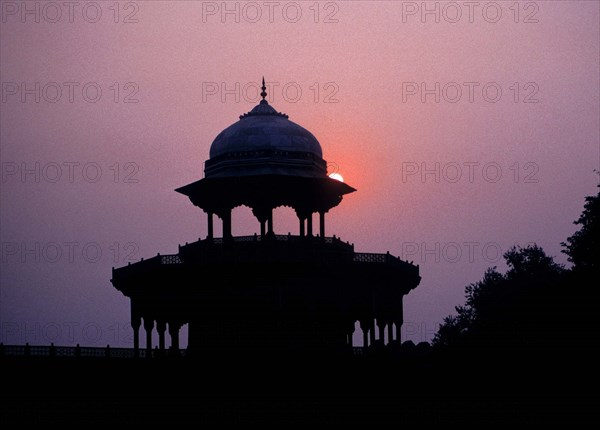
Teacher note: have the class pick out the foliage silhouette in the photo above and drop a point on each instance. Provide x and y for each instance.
(537, 310)
(506, 309)
(582, 247)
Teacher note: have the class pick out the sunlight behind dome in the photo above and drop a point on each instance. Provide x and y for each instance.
(336, 176)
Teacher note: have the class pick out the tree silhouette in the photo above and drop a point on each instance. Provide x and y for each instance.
(508, 309)
(582, 247)
(581, 302)
(537, 310)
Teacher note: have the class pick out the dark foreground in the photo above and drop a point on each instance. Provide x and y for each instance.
(361, 390)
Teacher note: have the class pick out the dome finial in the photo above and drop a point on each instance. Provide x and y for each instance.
(264, 89)
(263, 108)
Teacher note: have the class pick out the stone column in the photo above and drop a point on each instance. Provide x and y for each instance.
(322, 224)
(390, 327)
(174, 333)
(270, 222)
(161, 327)
(210, 226)
(350, 332)
(136, 323)
(301, 226)
(381, 327)
(262, 215)
(309, 225)
(136, 339)
(398, 331)
(148, 326)
(399, 319)
(226, 217)
(365, 329)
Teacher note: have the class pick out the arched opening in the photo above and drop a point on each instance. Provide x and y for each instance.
(183, 336)
(243, 222)
(357, 336)
(285, 221)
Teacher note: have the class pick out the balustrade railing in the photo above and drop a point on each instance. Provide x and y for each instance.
(278, 238)
(369, 258)
(174, 259)
(98, 352)
(170, 259)
(80, 352)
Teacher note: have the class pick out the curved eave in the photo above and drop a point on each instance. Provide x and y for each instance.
(266, 190)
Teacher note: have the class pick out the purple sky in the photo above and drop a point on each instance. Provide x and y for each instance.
(445, 184)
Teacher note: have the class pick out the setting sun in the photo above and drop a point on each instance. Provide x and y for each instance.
(337, 177)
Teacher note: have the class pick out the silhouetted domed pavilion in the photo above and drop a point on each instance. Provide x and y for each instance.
(269, 293)
(264, 161)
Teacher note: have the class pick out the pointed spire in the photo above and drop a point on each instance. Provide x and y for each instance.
(263, 108)
(264, 89)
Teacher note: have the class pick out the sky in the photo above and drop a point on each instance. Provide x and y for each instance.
(466, 128)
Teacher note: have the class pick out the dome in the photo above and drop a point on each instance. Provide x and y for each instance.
(265, 142)
(264, 128)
